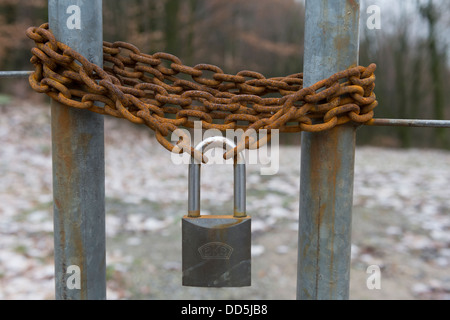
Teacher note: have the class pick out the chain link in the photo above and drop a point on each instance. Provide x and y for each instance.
(154, 90)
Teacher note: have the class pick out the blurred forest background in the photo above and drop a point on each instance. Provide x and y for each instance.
(410, 49)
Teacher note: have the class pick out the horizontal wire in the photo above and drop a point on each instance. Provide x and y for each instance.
(15, 74)
(409, 123)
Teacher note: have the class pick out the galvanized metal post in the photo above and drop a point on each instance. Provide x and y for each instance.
(327, 158)
(78, 165)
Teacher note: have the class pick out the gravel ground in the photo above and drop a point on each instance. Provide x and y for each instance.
(401, 217)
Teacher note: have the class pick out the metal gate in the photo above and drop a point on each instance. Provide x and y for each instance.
(326, 186)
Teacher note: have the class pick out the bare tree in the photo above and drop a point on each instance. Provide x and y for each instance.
(431, 13)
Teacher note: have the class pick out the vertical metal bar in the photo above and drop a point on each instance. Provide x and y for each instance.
(327, 158)
(78, 165)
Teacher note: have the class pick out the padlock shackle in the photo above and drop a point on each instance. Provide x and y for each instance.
(239, 178)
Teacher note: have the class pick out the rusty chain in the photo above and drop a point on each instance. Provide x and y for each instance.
(153, 90)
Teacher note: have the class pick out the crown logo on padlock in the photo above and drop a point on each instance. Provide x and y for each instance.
(215, 250)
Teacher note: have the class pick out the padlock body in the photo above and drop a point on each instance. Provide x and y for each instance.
(216, 251)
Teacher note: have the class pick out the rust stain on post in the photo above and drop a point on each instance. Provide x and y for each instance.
(354, 5)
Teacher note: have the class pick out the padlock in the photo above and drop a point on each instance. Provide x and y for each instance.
(216, 249)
